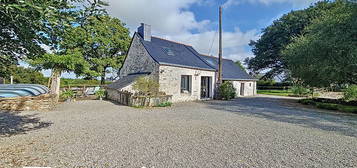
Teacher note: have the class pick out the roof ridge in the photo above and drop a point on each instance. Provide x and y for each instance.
(205, 55)
(171, 41)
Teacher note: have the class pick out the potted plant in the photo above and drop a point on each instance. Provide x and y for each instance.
(68, 95)
(100, 94)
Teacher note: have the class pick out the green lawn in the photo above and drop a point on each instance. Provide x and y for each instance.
(275, 92)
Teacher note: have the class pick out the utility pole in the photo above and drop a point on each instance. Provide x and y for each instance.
(219, 82)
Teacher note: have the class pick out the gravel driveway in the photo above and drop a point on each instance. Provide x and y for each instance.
(247, 132)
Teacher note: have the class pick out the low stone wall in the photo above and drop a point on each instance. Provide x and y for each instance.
(127, 98)
(42, 102)
(149, 101)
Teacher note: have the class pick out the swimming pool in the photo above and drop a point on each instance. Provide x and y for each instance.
(19, 90)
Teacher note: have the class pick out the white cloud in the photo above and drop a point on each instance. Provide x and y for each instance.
(295, 3)
(173, 20)
(165, 17)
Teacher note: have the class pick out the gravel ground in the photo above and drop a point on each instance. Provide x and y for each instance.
(247, 132)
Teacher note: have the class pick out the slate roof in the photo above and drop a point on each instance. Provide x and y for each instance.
(125, 81)
(230, 71)
(167, 52)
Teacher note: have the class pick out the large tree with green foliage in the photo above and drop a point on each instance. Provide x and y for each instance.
(104, 41)
(26, 75)
(326, 52)
(23, 28)
(69, 61)
(268, 49)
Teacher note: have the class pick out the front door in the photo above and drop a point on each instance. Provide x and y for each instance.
(242, 89)
(205, 87)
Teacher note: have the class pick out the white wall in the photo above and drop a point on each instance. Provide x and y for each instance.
(170, 82)
(249, 88)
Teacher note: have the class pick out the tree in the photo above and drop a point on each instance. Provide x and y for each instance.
(70, 61)
(104, 41)
(268, 49)
(24, 28)
(326, 53)
(60, 58)
(26, 75)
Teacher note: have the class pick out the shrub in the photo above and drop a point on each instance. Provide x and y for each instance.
(146, 86)
(164, 104)
(67, 94)
(350, 93)
(307, 101)
(299, 90)
(327, 106)
(100, 93)
(227, 91)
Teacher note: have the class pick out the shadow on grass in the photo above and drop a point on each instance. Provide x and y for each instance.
(11, 123)
(289, 111)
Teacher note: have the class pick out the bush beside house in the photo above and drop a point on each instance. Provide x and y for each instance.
(227, 91)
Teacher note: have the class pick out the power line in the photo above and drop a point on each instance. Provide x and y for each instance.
(214, 37)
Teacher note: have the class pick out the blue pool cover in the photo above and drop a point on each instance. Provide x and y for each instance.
(18, 90)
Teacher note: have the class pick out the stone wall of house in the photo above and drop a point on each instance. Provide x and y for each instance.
(250, 88)
(170, 82)
(41, 102)
(138, 60)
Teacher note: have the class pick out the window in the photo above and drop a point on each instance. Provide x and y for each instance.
(168, 51)
(185, 83)
(250, 84)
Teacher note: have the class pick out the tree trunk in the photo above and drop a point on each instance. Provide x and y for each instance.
(55, 83)
(102, 78)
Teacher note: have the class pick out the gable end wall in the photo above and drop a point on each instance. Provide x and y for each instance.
(138, 60)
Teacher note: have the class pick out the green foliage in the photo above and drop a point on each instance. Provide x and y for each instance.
(72, 60)
(326, 53)
(164, 104)
(80, 82)
(100, 93)
(146, 86)
(227, 91)
(329, 106)
(266, 82)
(300, 90)
(22, 27)
(275, 92)
(276, 37)
(25, 75)
(67, 94)
(307, 101)
(103, 40)
(350, 94)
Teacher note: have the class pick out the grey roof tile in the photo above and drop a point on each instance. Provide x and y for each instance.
(230, 71)
(167, 52)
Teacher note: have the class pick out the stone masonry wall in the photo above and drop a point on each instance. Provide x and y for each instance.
(42, 102)
(127, 98)
(170, 82)
(138, 60)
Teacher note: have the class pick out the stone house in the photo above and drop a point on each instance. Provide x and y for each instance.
(179, 69)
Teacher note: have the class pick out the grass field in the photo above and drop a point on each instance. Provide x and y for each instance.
(275, 92)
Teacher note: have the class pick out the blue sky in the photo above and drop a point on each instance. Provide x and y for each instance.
(195, 22)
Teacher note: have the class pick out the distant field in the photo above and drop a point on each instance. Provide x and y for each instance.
(275, 92)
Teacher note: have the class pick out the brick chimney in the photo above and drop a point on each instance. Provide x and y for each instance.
(145, 31)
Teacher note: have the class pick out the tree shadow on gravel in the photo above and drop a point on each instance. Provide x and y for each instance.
(11, 123)
(285, 110)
